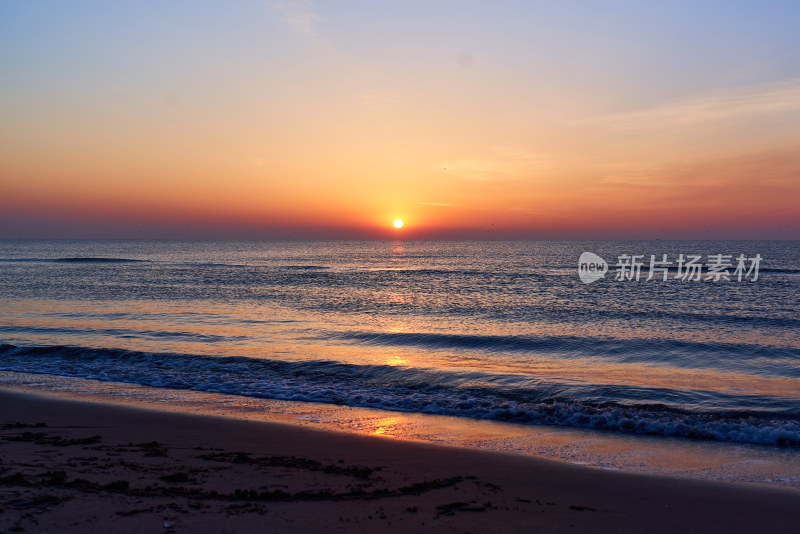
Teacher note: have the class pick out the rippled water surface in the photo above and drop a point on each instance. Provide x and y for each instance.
(488, 330)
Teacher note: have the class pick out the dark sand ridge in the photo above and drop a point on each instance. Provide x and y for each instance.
(71, 466)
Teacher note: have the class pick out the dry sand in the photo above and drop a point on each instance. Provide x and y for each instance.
(71, 466)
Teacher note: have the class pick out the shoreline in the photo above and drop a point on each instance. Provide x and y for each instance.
(634, 453)
(73, 466)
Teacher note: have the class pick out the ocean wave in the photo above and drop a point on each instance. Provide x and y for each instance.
(674, 352)
(88, 259)
(635, 410)
(304, 267)
(96, 260)
(118, 332)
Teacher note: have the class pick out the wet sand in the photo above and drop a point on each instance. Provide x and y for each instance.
(72, 466)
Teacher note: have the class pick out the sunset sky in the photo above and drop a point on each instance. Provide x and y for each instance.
(331, 119)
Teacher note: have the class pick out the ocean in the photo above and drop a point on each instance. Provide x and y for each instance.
(483, 330)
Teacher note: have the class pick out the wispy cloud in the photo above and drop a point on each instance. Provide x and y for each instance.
(502, 163)
(301, 16)
(762, 99)
(476, 169)
(377, 100)
(440, 204)
(754, 175)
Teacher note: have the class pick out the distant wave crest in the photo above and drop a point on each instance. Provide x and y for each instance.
(77, 259)
(405, 389)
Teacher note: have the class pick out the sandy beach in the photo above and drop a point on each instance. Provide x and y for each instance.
(71, 466)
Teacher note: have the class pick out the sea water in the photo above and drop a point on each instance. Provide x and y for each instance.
(492, 331)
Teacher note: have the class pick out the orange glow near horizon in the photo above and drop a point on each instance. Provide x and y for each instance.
(326, 138)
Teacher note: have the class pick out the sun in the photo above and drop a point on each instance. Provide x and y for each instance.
(398, 223)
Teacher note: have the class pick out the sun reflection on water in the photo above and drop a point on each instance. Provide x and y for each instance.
(389, 427)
